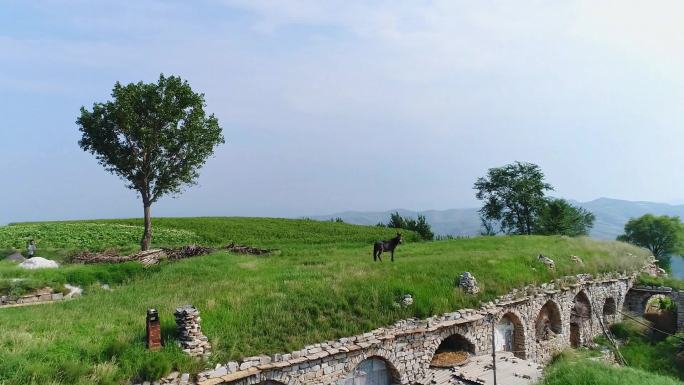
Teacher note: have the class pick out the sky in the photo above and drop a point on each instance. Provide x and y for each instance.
(334, 105)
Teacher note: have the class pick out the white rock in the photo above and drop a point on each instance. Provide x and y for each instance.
(38, 263)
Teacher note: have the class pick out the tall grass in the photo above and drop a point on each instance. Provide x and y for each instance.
(573, 369)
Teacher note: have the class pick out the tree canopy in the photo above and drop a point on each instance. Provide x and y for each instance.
(513, 196)
(154, 136)
(557, 216)
(659, 234)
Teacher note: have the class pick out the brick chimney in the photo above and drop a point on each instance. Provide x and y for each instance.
(154, 341)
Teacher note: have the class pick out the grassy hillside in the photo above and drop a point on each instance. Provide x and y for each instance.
(321, 284)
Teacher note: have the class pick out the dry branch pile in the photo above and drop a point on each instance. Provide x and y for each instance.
(152, 257)
(187, 251)
(241, 249)
(147, 258)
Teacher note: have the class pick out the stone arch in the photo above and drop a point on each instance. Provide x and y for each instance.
(456, 342)
(372, 370)
(548, 323)
(580, 317)
(452, 342)
(609, 311)
(662, 319)
(510, 335)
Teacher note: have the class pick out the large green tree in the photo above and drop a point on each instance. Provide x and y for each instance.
(557, 216)
(513, 195)
(659, 234)
(154, 136)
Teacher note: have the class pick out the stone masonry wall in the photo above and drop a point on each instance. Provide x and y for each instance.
(408, 346)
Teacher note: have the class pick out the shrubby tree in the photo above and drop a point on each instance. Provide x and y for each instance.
(557, 216)
(513, 196)
(659, 234)
(419, 225)
(155, 136)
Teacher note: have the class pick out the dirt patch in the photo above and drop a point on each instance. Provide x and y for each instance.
(449, 359)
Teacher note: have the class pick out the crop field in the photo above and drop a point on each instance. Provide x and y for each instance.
(321, 284)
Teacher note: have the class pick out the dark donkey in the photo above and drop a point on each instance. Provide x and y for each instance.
(381, 246)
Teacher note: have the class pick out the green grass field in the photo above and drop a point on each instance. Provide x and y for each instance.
(321, 284)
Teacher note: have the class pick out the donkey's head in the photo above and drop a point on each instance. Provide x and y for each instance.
(398, 238)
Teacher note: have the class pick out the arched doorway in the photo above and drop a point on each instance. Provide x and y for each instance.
(453, 351)
(609, 311)
(662, 312)
(548, 323)
(509, 335)
(580, 319)
(372, 371)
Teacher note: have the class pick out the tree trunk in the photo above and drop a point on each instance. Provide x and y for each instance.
(147, 234)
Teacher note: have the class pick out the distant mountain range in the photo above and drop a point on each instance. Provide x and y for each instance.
(611, 216)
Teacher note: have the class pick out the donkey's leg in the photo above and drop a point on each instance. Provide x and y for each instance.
(392, 255)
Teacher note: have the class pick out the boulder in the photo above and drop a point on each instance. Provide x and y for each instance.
(38, 263)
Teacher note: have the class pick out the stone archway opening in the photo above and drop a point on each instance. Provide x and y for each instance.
(509, 335)
(580, 317)
(548, 323)
(662, 312)
(372, 371)
(454, 350)
(609, 311)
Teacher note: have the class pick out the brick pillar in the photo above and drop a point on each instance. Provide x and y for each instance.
(154, 341)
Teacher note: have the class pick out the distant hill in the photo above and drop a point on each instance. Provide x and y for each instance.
(611, 216)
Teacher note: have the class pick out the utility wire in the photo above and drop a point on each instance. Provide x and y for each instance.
(637, 320)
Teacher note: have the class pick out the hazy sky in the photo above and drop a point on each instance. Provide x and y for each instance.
(336, 105)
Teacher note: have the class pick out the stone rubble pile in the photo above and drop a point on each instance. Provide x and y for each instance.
(653, 270)
(468, 283)
(190, 336)
(43, 295)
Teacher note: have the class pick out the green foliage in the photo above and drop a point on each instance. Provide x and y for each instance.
(644, 350)
(513, 195)
(419, 225)
(674, 283)
(659, 234)
(320, 286)
(576, 369)
(558, 217)
(93, 236)
(155, 136)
